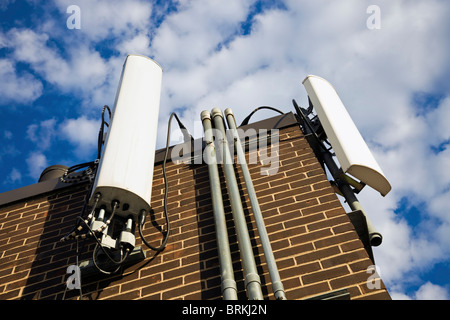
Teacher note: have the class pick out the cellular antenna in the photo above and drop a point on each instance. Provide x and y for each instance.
(333, 129)
(351, 150)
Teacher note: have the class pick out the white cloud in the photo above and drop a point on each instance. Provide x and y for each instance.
(110, 19)
(427, 291)
(189, 36)
(14, 176)
(42, 134)
(419, 174)
(30, 47)
(21, 88)
(36, 162)
(399, 296)
(139, 44)
(83, 71)
(430, 291)
(81, 132)
(209, 64)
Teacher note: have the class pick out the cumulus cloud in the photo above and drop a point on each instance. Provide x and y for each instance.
(430, 291)
(139, 44)
(17, 87)
(427, 291)
(30, 47)
(419, 175)
(102, 20)
(13, 177)
(85, 70)
(187, 37)
(82, 133)
(226, 68)
(36, 162)
(42, 134)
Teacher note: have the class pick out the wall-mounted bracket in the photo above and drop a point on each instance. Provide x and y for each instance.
(88, 268)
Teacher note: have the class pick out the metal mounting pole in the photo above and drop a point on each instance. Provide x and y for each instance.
(374, 236)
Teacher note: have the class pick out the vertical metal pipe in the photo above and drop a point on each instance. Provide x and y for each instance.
(229, 289)
(252, 280)
(277, 285)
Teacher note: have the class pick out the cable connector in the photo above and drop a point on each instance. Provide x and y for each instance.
(142, 217)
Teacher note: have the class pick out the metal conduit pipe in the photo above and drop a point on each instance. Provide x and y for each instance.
(251, 277)
(229, 289)
(277, 285)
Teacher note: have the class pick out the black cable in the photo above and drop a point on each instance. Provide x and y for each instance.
(306, 122)
(99, 246)
(186, 134)
(102, 128)
(247, 119)
(115, 205)
(83, 175)
(114, 261)
(143, 213)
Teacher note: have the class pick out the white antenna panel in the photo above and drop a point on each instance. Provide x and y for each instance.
(351, 150)
(125, 171)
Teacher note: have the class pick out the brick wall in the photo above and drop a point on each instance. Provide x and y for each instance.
(315, 245)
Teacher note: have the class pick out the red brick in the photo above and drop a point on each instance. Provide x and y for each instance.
(308, 291)
(324, 275)
(350, 279)
(317, 255)
(312, 236)
(298, 271)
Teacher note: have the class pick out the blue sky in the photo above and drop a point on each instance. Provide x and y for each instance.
(243, 54)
